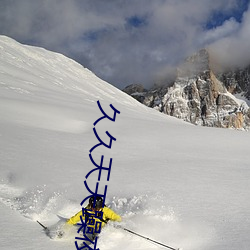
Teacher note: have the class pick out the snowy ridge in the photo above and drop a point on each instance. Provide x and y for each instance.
(33, 69)
(183, 185)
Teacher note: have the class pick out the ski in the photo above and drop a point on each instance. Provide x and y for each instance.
(63, 218)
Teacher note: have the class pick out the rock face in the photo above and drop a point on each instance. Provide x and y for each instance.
(237, 81)
(137, 91)
(201, 97)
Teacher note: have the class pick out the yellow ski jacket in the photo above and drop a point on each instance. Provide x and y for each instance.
(108, 214)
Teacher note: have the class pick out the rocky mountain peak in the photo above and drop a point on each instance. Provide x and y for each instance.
(200, 96)
(197, 64)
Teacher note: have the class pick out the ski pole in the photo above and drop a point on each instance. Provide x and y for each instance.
(125, 229)
(45, 228)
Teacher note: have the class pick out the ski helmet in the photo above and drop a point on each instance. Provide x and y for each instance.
(98, 202)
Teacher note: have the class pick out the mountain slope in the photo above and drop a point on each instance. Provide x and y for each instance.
(182, 185)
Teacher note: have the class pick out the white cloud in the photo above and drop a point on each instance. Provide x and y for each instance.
(233, 50)
(97, 32)
(228, 28)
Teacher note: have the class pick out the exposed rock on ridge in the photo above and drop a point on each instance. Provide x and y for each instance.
(198, 96)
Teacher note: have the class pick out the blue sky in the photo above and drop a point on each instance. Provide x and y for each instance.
(131, 41)
(218, 17)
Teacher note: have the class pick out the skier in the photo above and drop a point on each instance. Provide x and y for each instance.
(96, 215)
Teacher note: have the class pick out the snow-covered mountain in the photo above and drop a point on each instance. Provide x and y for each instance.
(201, 96)
(183, 185)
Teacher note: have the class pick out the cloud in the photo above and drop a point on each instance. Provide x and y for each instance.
(233, 49)
(121, 41)
(228, 28)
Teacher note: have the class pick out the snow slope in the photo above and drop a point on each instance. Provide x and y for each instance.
(176, 183)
